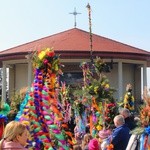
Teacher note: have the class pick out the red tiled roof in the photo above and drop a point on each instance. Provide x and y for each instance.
(76, 40)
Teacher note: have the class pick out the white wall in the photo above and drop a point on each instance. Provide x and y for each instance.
(128, 77)
(148, 77)
(21, 79)
(113, 78)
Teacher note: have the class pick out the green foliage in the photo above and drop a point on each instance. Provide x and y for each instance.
(16, 100)
(100, 89)
(79, 108)
(101, 66)
(138, 130)
(96, 95)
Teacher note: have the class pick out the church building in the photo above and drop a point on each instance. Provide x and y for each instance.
(128, 64)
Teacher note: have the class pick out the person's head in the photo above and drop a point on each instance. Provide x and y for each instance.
(17, 132)
(119, 120)
(93, 144)
(77, 147)
(86, 139)
(125, 112)
(103, 134)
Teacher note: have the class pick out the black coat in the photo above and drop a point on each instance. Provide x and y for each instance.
(130, 122)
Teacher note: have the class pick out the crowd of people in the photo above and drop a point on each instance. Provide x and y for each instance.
(112, 139)
(15, 135)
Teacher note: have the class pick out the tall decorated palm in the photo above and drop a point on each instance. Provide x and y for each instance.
(40, 108)
(103, 106)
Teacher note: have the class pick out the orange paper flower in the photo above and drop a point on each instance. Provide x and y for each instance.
(110, 147)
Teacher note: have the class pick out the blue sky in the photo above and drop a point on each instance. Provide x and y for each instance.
(127, 21)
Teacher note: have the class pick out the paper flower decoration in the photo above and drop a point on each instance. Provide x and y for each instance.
(100, 104)
(40, 106)
(128, 98)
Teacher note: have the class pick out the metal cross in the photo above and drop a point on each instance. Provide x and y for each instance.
(75, 13)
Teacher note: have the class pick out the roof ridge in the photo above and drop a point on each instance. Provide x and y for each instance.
(119, 42)
(57, 40)
(37, 39)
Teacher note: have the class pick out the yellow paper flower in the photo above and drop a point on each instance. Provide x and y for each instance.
(103, 83)
(42, 55)
(107, 86)
(26, 123)
(95, 89)
(47, 49)
(99, 127)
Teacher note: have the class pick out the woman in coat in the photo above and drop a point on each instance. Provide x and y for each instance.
(15, 136)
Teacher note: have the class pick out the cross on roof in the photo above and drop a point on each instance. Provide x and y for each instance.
(75, 13)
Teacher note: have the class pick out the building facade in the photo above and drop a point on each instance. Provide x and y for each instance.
(128, 64)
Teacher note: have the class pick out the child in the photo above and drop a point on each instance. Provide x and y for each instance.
(94, 145)
(103, 135)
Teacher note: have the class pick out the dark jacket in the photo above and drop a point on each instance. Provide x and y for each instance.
(130, 122)
(120, 137)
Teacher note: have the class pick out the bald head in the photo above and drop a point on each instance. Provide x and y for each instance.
(119, 120)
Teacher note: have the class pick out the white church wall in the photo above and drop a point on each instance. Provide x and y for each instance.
(113, 79)
(21, 76)
(11, 81)
(128, 76)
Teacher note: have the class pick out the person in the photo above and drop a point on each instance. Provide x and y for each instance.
(77, 147)
(77, 133)
(134, 142)
(87, 128)
(129, 119)
(121, 133)
(14, 137)
(104, 138)
(86, 139)
(71, 124)
(94, 144)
